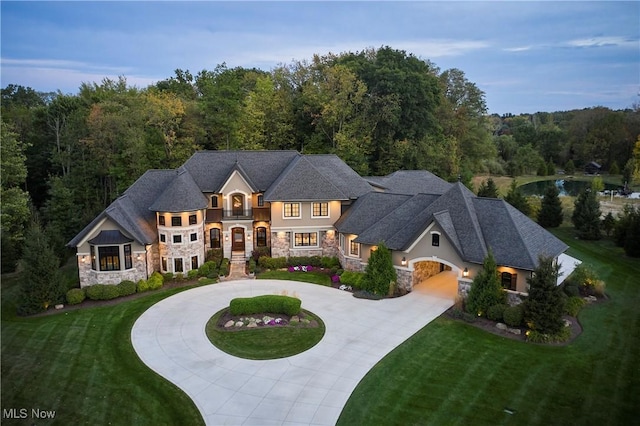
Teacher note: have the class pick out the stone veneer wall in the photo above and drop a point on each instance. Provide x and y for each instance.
(350, 263)
(405, 279)
(513, 297)
(329, 243)
(280, 244)
(425, 270)
(89, 276)
(184, 250)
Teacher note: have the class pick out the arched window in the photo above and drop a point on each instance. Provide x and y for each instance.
(237, 205)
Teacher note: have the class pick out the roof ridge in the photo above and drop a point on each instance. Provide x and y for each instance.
(467, 197)
(518, 229)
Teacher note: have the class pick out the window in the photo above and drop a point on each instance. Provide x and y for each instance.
(109, 258)
(320, 210)
(509, 280)
(164, 264)
(194, 262)
(291, 209)
(305, 239)
(341, 242)
(177, 265)
(177, 239)
(127, 257)
(435, 240)
(92, 250)
(261, 237)
(260, 200)
(214, 234)
(354, 248)
(214, 201)
(176, 221)
(237, 204)
(193, 219)
(161, 220)
(163, 238)
(194, 237)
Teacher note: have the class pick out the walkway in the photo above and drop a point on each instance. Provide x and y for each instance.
(308, 388)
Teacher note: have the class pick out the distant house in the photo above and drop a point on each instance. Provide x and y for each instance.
(592, 168)
(305, 205)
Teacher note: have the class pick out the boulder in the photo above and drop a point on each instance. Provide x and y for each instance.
(501, 326)
(229, 324)
(514, 331)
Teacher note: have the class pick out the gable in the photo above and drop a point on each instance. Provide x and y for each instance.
(236, 183)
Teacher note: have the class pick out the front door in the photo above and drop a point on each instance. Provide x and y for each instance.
(237, 239)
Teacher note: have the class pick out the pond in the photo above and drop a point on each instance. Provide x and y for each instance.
(566, 187)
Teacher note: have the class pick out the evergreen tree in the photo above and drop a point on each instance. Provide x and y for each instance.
(516, 199)
(614, 169)
(380, 272)
(486, 290)
(545, 305)
(542, 169)
(550, 214)
(488, 189)
(608, 224)
(551, 168)
(569, 168)
(627, 231)
(586, 216)
(42, 283)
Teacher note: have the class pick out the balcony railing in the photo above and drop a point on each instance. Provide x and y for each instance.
(258, 214)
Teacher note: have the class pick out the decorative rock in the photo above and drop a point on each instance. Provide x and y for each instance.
(567, 323)
(59, 306)
(514, 331)
(591, 299)
(239, 324)
(229, 323)
(295, 318)
(252, 325)
(501, 326)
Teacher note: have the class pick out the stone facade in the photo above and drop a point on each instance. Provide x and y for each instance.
(329, 243)
(464, 286)
(425, 270)
(350, 263)
(90, 276)
(184, 250)
(405, 280)
(280, 244)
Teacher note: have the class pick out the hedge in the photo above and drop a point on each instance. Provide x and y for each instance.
(272, 262)
(126, 288)
(102, 292)
(208, 269)
(496, 312)
(273, 304)
(75, 296)
(224, 267)
(142, 286)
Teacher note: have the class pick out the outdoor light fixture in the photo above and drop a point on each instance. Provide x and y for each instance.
(404, 261)
(84, 259)
(465, 273)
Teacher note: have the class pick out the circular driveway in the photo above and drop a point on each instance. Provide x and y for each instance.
(308, 388)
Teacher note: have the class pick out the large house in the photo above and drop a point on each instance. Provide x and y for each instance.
(303, 205)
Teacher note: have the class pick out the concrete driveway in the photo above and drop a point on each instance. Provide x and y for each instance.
(308, 388)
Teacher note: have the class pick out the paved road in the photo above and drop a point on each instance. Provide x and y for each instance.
(309, 388)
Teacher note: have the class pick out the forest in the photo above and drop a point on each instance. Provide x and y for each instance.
(65, 157)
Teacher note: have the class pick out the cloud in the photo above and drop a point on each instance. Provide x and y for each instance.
(517, 49)
(603, 41)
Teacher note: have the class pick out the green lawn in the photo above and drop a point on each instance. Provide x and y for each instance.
(307, 277)
(265, 342)
(82, 365)
(452, 373)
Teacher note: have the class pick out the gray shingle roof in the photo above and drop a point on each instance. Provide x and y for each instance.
(181, 195)
(110, 237)
(367, 210)
(301, 181)
(411, 182)
(211, 169)
(343, 177)
(470, 223)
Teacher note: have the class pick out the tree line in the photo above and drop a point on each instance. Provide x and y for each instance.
(67, 156)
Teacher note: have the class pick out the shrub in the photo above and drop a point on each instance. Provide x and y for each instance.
(352, 278)
(252, 265)
(214, 255)
(379, 273)
(330, 262)
(274, 304)
(496, 312)
(179, 276)
(571, 289)
(192, 274)
(102, 292)
(155, 281)
(272, 262)
(486, 289)
(573, 305)
(545, 305)
(208, 269)
(562, 335)
(260, 252)
(168, 276)
(224, 267)
(587, 280)
(142, 286)
(75, 296)
(512, 316)
(126, 288)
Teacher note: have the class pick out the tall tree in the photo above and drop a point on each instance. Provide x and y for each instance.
(14, 210)
(488, 189)
(550, 214)
(380, 273)
(42, 284)
(486, 290)
(516, 199)
(586, 216)
(545, 305)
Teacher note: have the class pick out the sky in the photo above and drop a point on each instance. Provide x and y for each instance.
(525, 56)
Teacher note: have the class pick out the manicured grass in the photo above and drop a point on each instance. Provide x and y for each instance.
(453, 373)
(265, 342)
(307, 277)
(82, 365)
